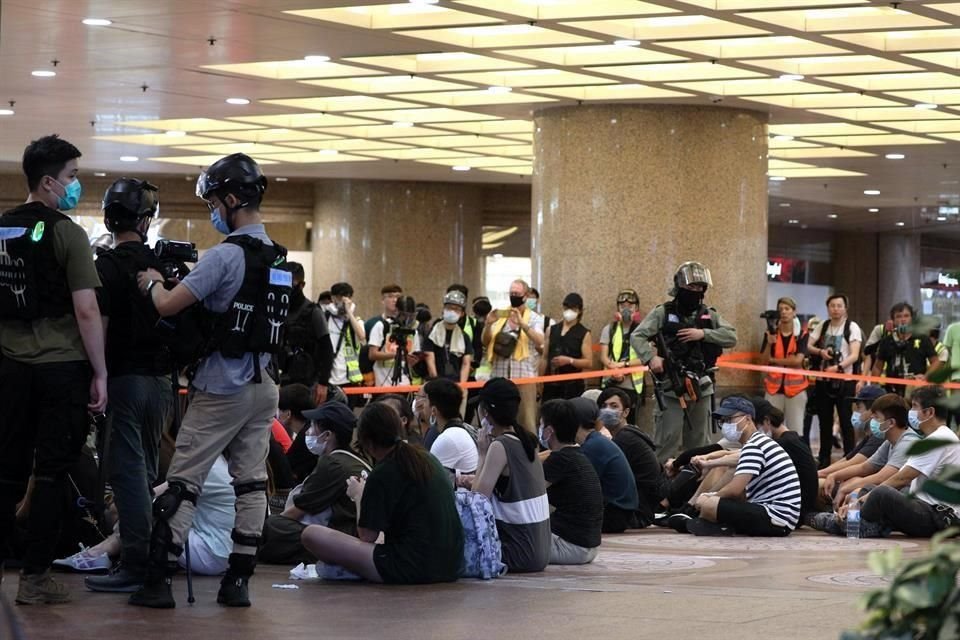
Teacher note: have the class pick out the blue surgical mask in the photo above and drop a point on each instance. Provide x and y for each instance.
(543, 440)
(875, 428)
(71, 195)
(913, 417)
(218, 222)
(856, 420)
(531, 303)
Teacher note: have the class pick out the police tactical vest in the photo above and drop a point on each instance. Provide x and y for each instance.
(698, 356)
(33, 284)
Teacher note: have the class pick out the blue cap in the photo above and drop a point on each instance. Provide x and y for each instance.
(732, 405)
(869, 393)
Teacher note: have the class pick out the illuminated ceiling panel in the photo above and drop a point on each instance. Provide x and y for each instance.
(592, 54)
(226, 148)
(395, 16)
(491, 128)
(473, 98)
(845, 19)
(677, 72)
(824, 101)
(521, 150)
(528, 78)
(567, 9)
(670, 27)
(351, 144)
(894, 81)
(428, 115)
(302, 120)
(611, 92)
(451, 141)
(949, 136)
(949, 59)
(819, 152)
(272, 135)
(480, 162)
(341, 103)
(952, 8)
(818, 172)
(882, 140)
(894, 41)
(383, 131)
(156, 139)
(821, 129)
(743, 5)
(316, 157)
(523, 170)
(187, 124)
(292, 69)
(512, 35)
(445, 62)
(201, 161)
(752, 87)
(880, 114)
(925, 126)
(778, 165)
(934, 96)
(830, 65)
(758, 47)
(387, 84)
(421, 153)
(788, 143)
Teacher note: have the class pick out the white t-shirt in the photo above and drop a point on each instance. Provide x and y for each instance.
(383, 369)
(856, 335)
(931, 464)
(456, 450)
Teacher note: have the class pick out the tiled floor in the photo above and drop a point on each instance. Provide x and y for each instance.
(645, 584)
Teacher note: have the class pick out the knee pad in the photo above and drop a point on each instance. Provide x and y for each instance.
(168, 503)
(250, 487)
(245, 540)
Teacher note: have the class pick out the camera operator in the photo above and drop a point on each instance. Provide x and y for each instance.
(837, 344)
(903, 355)
(139, 366)
(245, 292)
(395, 347)
(785, 346)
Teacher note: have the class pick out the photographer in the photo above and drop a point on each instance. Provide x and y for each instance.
(784, 346)
(837, 344)
(395, 347)
(902, 355)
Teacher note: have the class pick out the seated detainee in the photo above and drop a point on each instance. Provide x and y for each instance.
(763, 497)
(573, 488)
(456, 443)
(639, 450)
(684, 478)
(409, 498)
(321, 498)
(868, 444)
(620, 499)
(918, 515)
(511, 475)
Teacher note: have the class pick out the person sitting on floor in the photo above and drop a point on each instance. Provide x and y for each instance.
(865, 447)
(573, 488)
(456, 443)
(410, 432)
(408, 498)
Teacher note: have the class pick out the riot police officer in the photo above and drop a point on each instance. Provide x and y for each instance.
(246, 292)
(689, 336)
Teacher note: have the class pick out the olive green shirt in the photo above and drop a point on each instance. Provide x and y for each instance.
(724, 335)
(48, 340)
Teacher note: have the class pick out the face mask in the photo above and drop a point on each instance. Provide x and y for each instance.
(626, 314)
(543, 440)
(433, 421)
(569, 315)
(913, 417)
(516, 301)
(689, 300)
(71, 195)
(531, 303)
(875, 428)
(486, 426)
(314, 445)
(218, 222)
(856, 420)
(330, 308)
(730, 431)
(609, 417)
(340, 309)
(450, 316)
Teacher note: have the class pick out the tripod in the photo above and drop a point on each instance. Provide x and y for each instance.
(400, 361)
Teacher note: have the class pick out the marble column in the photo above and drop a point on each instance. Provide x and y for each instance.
(898, 271)
(420, 235)
(624, 193)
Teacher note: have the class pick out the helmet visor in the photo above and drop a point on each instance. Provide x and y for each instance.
(693, 273)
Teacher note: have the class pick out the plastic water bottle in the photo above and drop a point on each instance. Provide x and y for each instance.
(853, 517)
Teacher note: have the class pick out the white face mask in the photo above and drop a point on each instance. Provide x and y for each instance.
(450, 316)
(730, 431)
(569, 315)
(316, 444)
(330, 308)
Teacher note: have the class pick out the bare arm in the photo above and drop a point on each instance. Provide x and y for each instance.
(464, 369)
(736, 488)
(491, 467)
(91, 328)
(902, 478)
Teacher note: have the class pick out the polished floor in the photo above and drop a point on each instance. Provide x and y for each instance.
(644, 584)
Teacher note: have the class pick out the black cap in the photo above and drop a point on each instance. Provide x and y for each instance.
(333, 416)
(586, 411)
(869, 393)
(732, 405)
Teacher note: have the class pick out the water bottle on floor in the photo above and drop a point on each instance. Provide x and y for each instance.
(853, 516)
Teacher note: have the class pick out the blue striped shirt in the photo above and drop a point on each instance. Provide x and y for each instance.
(774, 482)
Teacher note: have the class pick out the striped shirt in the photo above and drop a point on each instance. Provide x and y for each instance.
(774, 483)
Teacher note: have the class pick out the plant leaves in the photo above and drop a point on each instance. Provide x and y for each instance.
(929, 444)
(914, 595)
(942, 491)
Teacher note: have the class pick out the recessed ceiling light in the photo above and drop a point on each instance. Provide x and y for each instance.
(873, 210)
(239, 101)
(941, 218)
(871, 192)
(793, 221)
(329, 152)
(784, 204)
(900, 224)
(460, 167)
(129, 158)
(97, 22)
(280, 179)
(894, 156)
(175, 134)
(499, 89)
(402, 124)
(316, 58)
(626, 42)
(925, 105)
(6, 112)
(99, 174)
(832, 216)
(43, 73)
(777, 178)
(424, 1)
(783, 138)
(792, 76)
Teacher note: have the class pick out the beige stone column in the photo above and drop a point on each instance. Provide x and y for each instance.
(420, 235)
(624, 193)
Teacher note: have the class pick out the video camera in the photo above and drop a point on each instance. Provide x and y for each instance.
(832, 346)
(172, 254)
(772, 316)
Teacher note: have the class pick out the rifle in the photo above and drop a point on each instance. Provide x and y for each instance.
(684, 384)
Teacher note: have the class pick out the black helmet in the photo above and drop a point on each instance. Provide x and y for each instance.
(127, 201)
(238, 174)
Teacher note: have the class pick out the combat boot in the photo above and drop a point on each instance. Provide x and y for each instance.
(157, 589)
(234, 587)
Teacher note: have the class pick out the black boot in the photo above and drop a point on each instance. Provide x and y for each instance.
(234, 590)
(156, 592)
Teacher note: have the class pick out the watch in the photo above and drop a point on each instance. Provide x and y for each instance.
(150, 286)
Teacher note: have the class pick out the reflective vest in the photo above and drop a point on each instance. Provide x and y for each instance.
(468, 328)
(616, 351)
(350, 356)
(792, 385)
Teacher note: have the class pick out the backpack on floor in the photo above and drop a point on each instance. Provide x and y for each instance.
(481, 542)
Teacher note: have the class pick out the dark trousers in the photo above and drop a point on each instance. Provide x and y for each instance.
(617, 520)
(563, 390)
(914, 517)
(43, 426)
(141, 407)
(828, 398)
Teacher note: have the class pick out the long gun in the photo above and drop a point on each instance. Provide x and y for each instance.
(679, 382)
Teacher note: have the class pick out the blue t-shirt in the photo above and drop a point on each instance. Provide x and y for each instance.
(616, 478)
(215, 281)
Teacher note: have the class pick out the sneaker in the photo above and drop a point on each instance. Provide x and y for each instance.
(870, 529)
(85, 562)
(827, 522)
(660, 519)
(41, 588)
(701, 527)
(678, 522)
(120, 581)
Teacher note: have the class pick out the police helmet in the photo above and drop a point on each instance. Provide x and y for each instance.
(690, 273)
(238, 174)
(127, 201)
(455, 297)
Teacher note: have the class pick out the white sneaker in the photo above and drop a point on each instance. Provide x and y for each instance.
(85, 562)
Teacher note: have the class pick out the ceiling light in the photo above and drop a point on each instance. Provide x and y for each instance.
(925, 105)
(460, 167)
(499, 89)
(900, 224)
(941, 218)
(403, 124)
(873, 210)
(128, 158)
(783, 138)
(784, 204)
(832, 216)
(894, 156)
(329, 152)
(316, 58)
(793, 221)
(792, 76)
(871, 192)
(777, 178)
(97, 22)
(174, 133)
(99, 174)
(239, 101)
(625, 42)
(6, 112)
(43, 73)
(280, 179)
(424, 1)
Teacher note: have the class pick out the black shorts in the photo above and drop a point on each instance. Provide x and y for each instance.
(748, 519)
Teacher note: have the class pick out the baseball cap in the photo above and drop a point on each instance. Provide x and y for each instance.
(735, 404)
(333, 416)
(586, 411)
(869, 393)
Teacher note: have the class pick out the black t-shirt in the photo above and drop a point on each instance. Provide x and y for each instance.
(327, 487)
(905, 358)
(806, 465)
(639, 450)
(448, 363)
(576, 497)
(867, 446)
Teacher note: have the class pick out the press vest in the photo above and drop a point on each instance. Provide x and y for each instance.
(617, 355)
(792, 385)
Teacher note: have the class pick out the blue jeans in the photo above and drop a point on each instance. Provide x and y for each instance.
(141, 407)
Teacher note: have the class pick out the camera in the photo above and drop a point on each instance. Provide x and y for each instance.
(172, 254)
(772, 316)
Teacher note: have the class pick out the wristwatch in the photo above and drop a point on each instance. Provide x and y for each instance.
(150, 286)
